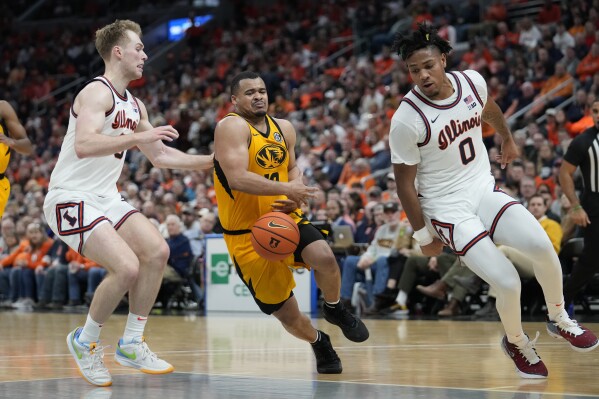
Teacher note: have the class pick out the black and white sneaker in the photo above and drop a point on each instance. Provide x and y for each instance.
(327, 361)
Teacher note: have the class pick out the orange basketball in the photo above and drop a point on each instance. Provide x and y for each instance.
(275, 236)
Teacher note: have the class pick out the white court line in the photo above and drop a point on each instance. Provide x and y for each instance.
(505, 389)
(298, 349)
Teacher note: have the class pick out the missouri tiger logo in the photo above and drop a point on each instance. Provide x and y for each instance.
(271, 156)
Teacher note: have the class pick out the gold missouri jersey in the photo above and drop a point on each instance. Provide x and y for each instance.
(4, 149)
(268, 157)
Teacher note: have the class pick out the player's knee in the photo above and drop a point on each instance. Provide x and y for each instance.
(157, 256)
(162, 253)
(128, 272)
(328, 261)
(508, 286)
(540, 246)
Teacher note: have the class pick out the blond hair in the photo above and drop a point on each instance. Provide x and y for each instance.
(113, 34)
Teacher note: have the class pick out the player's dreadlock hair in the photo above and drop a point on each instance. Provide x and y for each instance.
(425, 35)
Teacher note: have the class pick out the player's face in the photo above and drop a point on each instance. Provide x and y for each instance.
(427, 69)
(251, 98)
(133, 55)
(595, 113)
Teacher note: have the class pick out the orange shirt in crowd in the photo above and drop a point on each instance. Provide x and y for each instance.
(549, 182)
(488, 130)
(579, 126)
(588, 66)
(74, 256)
(10, 258)
(36, 257)
(555, 81)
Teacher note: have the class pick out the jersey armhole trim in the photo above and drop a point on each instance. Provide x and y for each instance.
(85, 84)
(471, 84)
(424, 119)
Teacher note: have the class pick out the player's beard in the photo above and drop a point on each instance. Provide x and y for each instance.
(260, 113)
(432, 92)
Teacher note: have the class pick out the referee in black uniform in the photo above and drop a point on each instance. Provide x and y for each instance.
(583, 152)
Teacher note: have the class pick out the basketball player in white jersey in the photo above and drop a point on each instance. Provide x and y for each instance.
(445, 185)
(83, 206)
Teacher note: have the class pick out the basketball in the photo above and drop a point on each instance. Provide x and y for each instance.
(275, 236)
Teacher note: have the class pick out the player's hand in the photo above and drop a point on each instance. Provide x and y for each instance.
(509, 152)
(580, 217)
(433, 249)
(4, 139)
(300, 193)
(284, 205)
(160, 133)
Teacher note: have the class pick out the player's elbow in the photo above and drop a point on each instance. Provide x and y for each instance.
(158, 164)
(27, 150)
(236, 182)
(81, 150)
(85, 149)
(158, 161)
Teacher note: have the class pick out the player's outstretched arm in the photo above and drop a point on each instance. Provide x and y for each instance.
(18, 139)
(151, 144)
(231, 139)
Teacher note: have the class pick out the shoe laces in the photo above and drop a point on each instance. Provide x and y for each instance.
(565, 323)
(96, 354)
(346, 317)
(145, 351)
(324, 350)
(529, 352)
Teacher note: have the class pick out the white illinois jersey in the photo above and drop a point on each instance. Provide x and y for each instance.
(97, 175)
(443, 137)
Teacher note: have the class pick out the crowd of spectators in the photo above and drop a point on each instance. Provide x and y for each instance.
(329, 69)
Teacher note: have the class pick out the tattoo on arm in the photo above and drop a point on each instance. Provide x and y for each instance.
(493, 116)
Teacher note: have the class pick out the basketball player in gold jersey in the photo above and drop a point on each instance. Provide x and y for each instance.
(255, 172)
(12, 137)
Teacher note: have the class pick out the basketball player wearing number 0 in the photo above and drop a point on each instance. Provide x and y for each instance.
(436, 140)
(255, 172)
(84, 208)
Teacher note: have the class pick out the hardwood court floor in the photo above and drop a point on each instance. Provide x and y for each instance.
(251, 356)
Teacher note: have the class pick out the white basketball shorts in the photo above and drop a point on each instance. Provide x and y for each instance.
(73, 215)
(462, 219)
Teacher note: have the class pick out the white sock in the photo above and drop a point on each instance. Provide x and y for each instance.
(91, 331)
(519, 340)
(555, 310)
(134, 329)
(332, 304)
(402, 298)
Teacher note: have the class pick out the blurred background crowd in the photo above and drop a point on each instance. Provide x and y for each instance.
(329, 69)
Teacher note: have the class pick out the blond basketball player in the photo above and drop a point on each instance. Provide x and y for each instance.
(84, 208)
(445, 185)
(254, 172)
(12, 137)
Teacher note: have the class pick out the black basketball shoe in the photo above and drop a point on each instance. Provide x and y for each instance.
(353, 328)
(327, 361)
